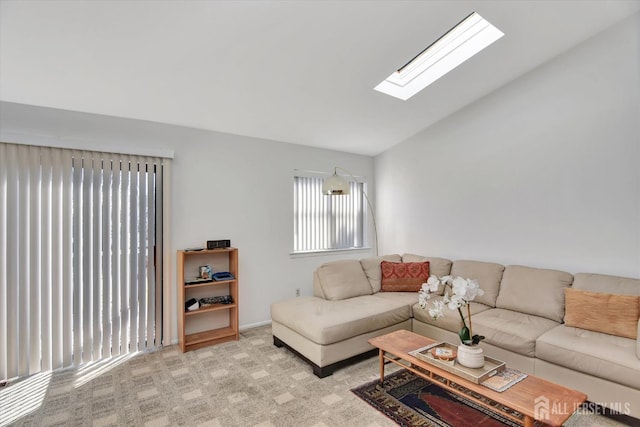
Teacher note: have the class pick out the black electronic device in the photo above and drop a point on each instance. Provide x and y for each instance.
(218, 244)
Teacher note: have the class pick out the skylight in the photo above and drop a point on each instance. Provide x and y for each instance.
(460, 43)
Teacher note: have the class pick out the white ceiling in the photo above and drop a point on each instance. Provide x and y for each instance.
(294, 71)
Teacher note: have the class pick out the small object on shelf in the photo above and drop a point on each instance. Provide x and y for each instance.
(192, 304)
(222, 275)
(194, 249)
(225, 299)
(206, 272)
(196, 281)
(217, 244)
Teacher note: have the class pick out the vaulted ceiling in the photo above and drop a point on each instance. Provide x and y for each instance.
(293, 71)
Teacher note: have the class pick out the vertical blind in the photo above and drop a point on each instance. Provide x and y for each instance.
(79, 279)
(326, 222)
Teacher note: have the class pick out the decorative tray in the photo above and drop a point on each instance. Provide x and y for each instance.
(476, 375)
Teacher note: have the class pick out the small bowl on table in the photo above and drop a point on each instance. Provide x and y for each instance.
(444, 354)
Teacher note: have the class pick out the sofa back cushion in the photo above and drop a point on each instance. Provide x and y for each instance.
(343, 279)
(403, 276)
(437, 266)
(487, 274)
(371, 267)
(611, 314)
(535, 291)
(608, 284)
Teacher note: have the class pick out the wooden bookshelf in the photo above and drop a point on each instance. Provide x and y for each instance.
(216, 323)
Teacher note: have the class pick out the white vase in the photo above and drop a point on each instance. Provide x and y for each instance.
(471, 356)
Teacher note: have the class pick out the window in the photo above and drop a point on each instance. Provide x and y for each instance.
(79, 276)
(323, 223)
(463, 41)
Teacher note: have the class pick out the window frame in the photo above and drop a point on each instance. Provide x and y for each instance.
(328, 213)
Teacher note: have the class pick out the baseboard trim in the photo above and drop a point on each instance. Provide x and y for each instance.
(254, 325)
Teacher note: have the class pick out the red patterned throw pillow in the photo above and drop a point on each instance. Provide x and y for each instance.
(403, 276)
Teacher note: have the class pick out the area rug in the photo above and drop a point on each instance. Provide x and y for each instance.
(412, 401)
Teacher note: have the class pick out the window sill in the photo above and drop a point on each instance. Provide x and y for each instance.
(327, 252)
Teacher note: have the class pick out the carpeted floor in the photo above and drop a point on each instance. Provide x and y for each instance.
(245, 383)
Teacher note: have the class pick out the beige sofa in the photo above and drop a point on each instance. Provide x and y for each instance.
(521, 315)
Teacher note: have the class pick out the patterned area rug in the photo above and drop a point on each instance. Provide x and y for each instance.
(412, 401)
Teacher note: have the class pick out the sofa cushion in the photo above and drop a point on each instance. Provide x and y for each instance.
(403, 276)
(487, 274)
(397, 298)
(437, 266)
(511, 330)
(342, 279)
(371, 267)
(594, 353)
(535, 291)
(451, 319)
(605, 283)
(587, 310)
(326, 322)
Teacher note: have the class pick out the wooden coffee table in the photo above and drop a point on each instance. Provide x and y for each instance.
(534, 398)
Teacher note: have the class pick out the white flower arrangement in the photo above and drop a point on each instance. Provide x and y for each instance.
(463, 291)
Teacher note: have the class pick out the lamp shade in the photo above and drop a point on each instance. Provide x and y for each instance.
(335, 185)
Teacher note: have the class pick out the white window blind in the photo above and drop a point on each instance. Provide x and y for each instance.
(326, 222)
(79, 279)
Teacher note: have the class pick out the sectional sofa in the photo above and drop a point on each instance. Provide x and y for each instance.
(579, 330)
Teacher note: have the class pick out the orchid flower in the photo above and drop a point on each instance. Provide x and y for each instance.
(463, 291)
(437, 310)
(433, 283)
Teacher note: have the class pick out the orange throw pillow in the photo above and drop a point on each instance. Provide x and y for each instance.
(611, 314)
(403, 276)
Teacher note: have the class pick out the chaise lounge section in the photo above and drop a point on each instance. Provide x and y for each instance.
(588, 342)
(331, 328)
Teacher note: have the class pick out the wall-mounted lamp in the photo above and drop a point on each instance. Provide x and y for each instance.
(336, 185)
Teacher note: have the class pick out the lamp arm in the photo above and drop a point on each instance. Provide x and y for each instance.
(364, 193)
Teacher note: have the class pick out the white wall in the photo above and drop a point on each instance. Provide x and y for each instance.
(223, 187)
(240, 188)
(543, 172)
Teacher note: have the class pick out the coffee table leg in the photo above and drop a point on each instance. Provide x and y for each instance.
(528, 421)
(381, 357)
